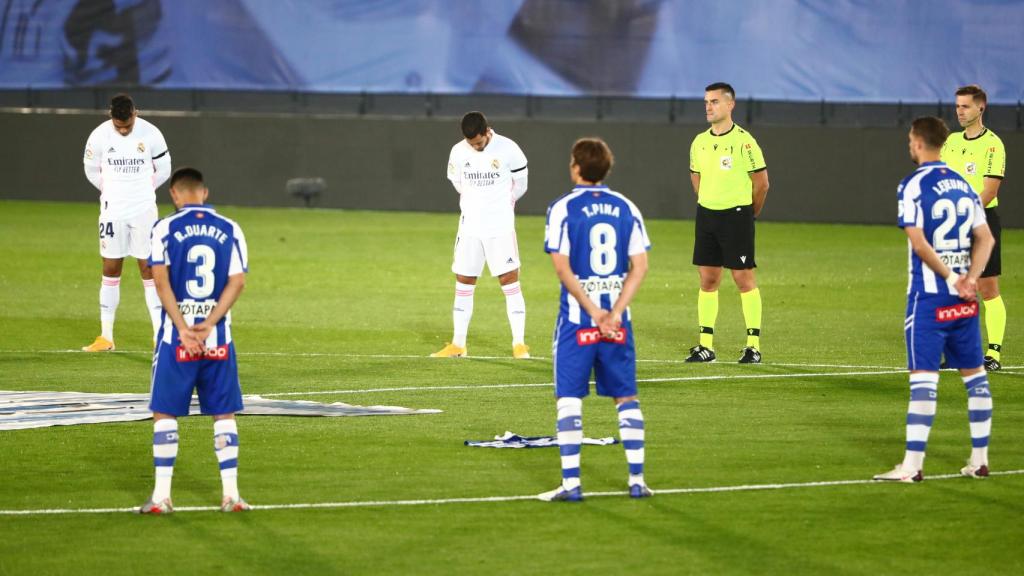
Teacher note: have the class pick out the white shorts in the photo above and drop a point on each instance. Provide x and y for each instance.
(501, 254)
(121, 238)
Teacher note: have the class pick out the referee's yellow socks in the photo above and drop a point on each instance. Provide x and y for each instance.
(995, 325)
(752, 316)
(707, 313)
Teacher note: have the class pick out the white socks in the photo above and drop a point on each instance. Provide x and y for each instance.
(110, 297)
(515, 307)
(153, 304)
(462, 312)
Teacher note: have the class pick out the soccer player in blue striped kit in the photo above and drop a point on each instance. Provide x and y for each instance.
(598, 245)
(949, 244)
(199, 260)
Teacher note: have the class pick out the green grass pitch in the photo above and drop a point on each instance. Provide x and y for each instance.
(340, 305)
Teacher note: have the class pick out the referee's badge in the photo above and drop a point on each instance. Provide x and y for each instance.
(971, 168)
(725, 163)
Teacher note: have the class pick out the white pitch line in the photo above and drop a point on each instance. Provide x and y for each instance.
(549, 384)
(422, 357)
(488, 499)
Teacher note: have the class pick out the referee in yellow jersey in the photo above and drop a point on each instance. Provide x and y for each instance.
(979, 156)
(730, 178)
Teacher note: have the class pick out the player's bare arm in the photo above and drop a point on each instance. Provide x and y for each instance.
(233, 289)
(759, 180)
(564, 271)
(192, 344)
(695, 182)
(635, 277)
(990, 190)
(981, 250)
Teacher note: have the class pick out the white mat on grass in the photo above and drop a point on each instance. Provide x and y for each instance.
(20, 410)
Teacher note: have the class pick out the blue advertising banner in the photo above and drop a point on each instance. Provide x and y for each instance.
(800, 50)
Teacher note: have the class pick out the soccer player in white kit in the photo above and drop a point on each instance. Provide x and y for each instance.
(126, 158)
(489, 172)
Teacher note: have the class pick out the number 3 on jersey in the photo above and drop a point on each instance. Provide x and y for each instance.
(603, 257)
(205, 259)
(944, 209)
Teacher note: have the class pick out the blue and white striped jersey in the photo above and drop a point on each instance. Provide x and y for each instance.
(598, 230)
(201, 249)
(938, 200)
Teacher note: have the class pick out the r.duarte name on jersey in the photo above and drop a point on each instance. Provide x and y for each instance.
(201, 230)
(606, 209)
(126, 161)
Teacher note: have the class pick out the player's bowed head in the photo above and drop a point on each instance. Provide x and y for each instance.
(188, 187)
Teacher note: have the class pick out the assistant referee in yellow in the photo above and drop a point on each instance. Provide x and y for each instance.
(730, 178)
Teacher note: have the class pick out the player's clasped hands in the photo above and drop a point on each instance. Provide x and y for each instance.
(966, 287)
(193, 339)
(608, 323)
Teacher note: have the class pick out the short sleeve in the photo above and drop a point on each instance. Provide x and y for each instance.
(516, 159)
(239, 253)
(753, 158)
(454, 175)
(638, 239)
(157, 144)
(907, 195)
(556, 238)
(979, 212)
(995, 160)
(158, 246)
(694, 161)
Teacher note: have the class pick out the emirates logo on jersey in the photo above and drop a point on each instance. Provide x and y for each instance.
(141, 147)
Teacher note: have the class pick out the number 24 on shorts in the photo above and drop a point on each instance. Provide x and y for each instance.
(106, 229)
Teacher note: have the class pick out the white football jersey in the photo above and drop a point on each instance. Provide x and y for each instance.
(128, 175)
(484, 180)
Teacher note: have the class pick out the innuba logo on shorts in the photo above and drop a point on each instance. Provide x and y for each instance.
(588, 336)
(956, 311)
(216, 353)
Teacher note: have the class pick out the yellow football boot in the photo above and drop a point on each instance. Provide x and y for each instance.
(450, 351)
(101, 344)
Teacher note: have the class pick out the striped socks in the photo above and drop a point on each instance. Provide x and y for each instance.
(515, 307)
(165, 451)
(979, 414)
(924, 390)
(570, 439)
(631, 432)
(225, 443)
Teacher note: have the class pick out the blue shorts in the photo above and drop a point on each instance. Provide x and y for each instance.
(578, 350)
(214, 377)
(939, 325)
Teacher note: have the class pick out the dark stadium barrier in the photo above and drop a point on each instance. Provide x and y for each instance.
(817, 173)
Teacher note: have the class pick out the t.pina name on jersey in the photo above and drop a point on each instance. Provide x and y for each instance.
(596, 209)
(201, 230)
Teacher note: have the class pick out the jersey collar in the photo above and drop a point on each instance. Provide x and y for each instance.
(712, 131)
(935, 163)
(590, 187)
(983, 132)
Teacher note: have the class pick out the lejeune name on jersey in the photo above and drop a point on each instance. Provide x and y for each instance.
(945, 185)
(192, 230)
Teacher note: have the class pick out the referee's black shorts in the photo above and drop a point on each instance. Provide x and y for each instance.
(995, 261)
(724, 238)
